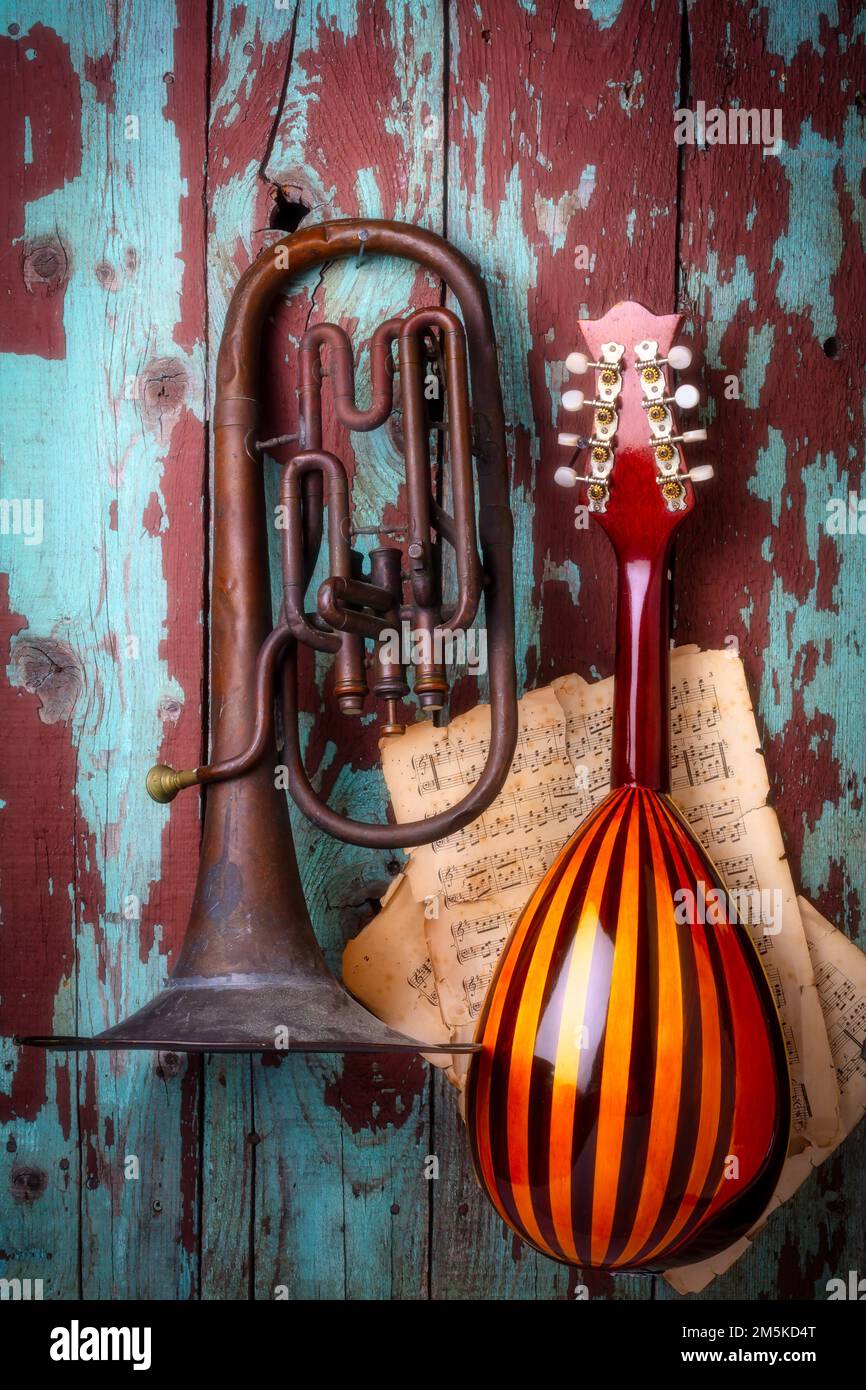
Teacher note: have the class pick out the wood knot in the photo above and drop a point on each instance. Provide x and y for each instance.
(50, 669)
(162, 390)
(27, 1183)
(168, 1065)
(45, 267)
(170, 709)
(107, 276)
(290, 203)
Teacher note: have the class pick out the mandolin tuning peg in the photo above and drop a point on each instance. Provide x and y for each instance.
(679, 357)
(702, 472)
(565, 477)
(687, 437)
(570, 441)
(572, 400)
(577, 363)
(687, 397)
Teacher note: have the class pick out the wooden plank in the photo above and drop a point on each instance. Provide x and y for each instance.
(359, 134)
(322, 1176)
(772, 275)
(250, 50)
(39, 1121)
(102, 411)
(554, 117)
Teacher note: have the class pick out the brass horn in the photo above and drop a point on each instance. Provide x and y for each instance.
(250, 976)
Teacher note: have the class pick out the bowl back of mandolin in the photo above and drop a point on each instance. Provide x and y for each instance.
(630, 1107)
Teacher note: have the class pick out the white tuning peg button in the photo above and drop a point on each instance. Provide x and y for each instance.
(572, 400)
(679, 357)
(702, 472)
(577, 363)
(687, 397)
(568, 441)
(565, 477)
(687, 437)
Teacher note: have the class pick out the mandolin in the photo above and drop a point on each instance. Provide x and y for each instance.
(630, 1106)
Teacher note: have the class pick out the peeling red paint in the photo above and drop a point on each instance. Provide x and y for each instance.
(100, 72)
(44, 88)
(721, 565)
(88, 1117)
(168, 901)
(373, 1094)
(153, 514)
(190, 1157)
(186, 108)
(63, 1089)
(43, 858)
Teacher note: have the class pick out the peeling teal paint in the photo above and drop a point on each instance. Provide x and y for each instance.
(567, 572)
(718, 296)
(790, 24)
(769, 478)
(758, 352)
(807, 254)
(837, 629)
(747, 611)
(853, 150)
(630, 97)
(482, 234)
(605, 12)
(553, 218)
(586, 185)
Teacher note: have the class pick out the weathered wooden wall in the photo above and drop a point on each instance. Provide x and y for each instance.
(149, 152)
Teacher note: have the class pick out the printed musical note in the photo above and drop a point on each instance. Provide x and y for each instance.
(422, 980)
(844, 1009)
(497, 873)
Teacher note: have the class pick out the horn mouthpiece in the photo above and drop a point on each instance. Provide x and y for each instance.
(163, 783)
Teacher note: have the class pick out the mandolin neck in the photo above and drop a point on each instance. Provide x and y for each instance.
(641, 718)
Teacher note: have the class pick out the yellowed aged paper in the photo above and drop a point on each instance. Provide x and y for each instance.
(475, 882)
(719, 781)
(387, 967)
(840, 974)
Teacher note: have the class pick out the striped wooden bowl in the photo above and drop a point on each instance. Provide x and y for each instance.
(630, 1109)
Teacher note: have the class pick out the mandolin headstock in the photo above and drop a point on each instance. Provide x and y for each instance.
(629, 463)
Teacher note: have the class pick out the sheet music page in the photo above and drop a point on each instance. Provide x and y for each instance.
(840, 974)
(387, 967)
(474, 883)
(719, 781)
